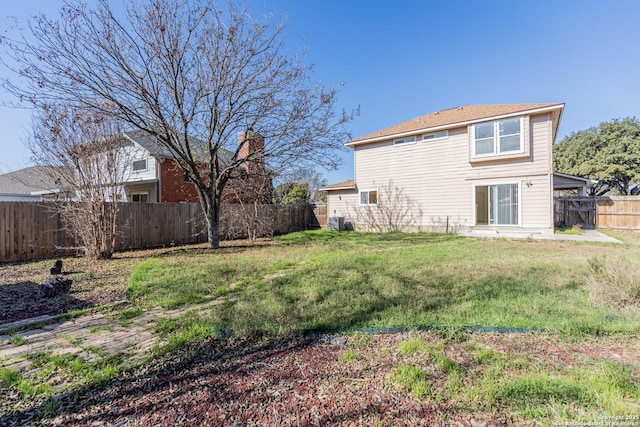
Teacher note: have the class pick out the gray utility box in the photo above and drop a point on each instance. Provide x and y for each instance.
(336, 223)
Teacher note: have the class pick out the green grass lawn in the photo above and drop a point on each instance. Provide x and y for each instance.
(333, 281)
(568, 230)
(343, 281)
(340, 281)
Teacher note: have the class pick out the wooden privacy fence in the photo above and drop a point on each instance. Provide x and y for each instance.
(35, 230)
(616, 212)
(319, 218)
(570, 211)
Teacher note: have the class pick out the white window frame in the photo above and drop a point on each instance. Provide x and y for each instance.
(496, 138)
(405, 141)
(140, 193)
(370, 190)
(435, 136)
(146, 165)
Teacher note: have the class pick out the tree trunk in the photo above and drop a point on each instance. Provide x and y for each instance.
(213, 237)
(212, 216)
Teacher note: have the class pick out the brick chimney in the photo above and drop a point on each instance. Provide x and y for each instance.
(252, 144)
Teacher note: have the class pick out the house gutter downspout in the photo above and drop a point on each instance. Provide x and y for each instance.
(159, 163)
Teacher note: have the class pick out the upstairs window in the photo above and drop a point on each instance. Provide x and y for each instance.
(368, 197)
(407, 140)
(498, 137)
(435, 135)
(509, 137)
(140, 165)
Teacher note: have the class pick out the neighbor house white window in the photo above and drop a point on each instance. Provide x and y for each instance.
(140, 197)
(140, 165)
(368, 197)
(498, 137)
(435, 135)
(407, 140)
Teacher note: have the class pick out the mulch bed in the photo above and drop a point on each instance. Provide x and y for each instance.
(294, 381)
(242, 382)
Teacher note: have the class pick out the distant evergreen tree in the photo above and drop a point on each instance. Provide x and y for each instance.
(608, 153)
(292, 192)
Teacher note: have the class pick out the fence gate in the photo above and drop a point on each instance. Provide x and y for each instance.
(318, 217)
(571, 211)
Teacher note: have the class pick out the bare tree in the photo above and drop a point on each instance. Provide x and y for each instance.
(193, 76)
(85, 156)
(393, 211)
(250, 215)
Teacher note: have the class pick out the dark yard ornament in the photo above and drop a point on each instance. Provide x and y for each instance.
(57, 267)
(53, 286)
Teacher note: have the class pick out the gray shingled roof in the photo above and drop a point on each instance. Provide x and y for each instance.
(28, 180)
(150, 143)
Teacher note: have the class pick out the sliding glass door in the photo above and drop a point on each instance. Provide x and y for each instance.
(503, 204)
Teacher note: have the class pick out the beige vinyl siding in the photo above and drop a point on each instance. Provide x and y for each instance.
(428, 172)
(536, 199)
(537, 202)
(440, 177)
(342, 203)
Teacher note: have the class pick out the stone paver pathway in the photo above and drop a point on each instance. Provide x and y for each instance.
(89, 336)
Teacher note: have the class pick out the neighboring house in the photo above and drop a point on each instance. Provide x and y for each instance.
(31, 184)
(476, 167)
(152, 174)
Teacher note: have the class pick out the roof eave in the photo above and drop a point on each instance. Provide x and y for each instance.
(557, 124)
(45, 192)
(347, 187)
(575, 178)
(17, 194)
(549, 108)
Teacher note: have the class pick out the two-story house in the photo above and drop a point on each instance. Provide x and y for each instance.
(465, 169)
(151, 173)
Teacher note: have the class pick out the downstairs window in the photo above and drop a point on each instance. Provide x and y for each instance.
(368, 197)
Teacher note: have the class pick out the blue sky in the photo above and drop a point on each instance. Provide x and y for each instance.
(403, 59)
